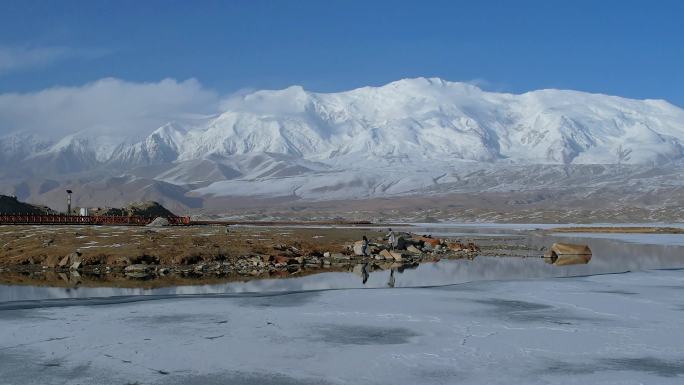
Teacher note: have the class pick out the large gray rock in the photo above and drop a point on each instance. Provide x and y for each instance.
(64, 262)
(386, 255)
(413, 249)
(75, 257)
(358, 248)
(397, 256)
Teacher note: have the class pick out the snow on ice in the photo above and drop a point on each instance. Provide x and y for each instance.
(604, 329)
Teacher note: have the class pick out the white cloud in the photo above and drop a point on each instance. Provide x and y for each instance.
(105, 107)
(21, 58)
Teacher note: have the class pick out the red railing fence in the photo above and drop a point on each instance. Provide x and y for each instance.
(61, 219)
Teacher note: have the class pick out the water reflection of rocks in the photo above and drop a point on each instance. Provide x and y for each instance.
(75, 278)
(364, 270)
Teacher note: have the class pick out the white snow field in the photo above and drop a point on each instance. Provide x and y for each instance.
(603, 329)
(411, 118)
(409, 136)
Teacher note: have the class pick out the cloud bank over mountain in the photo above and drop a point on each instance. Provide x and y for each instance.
(109, 106)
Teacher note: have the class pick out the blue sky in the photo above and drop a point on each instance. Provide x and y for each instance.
(628, 48)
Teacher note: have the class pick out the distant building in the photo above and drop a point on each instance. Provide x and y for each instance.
(83, 211)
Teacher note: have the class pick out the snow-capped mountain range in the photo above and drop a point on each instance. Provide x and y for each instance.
(409, 136)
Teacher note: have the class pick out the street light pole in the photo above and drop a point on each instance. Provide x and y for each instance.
(69, 192)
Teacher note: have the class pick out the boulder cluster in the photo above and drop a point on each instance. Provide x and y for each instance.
(281, 260)
(410, 247)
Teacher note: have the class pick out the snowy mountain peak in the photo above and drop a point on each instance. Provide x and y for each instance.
(169, 136)
(170, 129)
(162, 146)
(424, 83)
(291, 100)
(85, 145)
(72, 142)
(430, 118)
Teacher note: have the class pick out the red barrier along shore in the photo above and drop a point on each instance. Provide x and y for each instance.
(61, 219)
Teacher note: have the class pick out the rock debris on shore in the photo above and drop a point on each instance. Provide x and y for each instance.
(201, 252)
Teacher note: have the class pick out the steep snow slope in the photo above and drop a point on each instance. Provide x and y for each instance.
(162, 146)
(74, 153)
(17, 147)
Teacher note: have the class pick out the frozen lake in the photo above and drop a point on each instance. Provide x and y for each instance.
(605, 329)
(491, 320)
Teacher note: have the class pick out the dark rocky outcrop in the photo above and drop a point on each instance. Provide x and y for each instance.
(142, 209)
(11, 205)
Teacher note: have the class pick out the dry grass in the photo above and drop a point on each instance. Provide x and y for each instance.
(113, 246)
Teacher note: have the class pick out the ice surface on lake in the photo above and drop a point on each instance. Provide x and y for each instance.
(532, 226)
(486, 321)
(606, 329)
(648, 239)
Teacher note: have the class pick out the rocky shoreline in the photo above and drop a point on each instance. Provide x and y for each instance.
(213, 253)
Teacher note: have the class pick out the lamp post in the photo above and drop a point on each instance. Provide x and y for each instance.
(69, 192)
